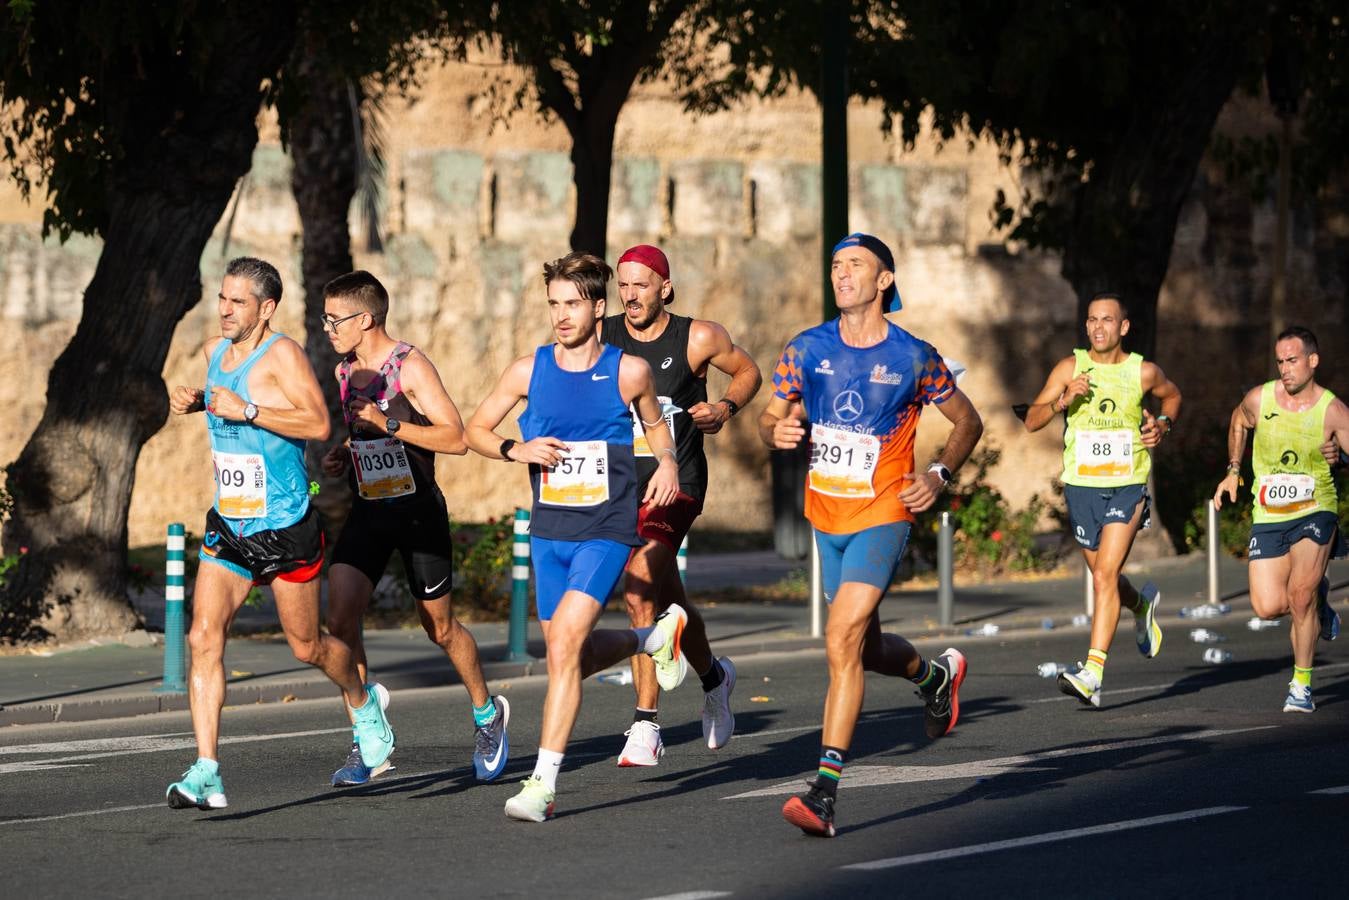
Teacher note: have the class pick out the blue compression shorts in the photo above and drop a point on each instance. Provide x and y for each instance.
(591, 567)
(869, 556)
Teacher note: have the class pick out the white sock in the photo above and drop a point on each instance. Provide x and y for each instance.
(547, 766)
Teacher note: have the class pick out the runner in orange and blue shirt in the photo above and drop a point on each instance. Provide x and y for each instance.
(861, 383)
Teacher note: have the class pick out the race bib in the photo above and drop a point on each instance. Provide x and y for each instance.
(580, 479)
(639, 445)
(1105, 454)
(241, 485)
(1284, 494)
(842, 463)
(382, 469)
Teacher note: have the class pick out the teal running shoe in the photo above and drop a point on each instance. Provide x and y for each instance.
(1146, 630)
(200, 788)
(491, 746)
(373, 734)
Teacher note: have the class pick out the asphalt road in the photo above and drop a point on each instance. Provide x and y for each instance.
(1189, 780)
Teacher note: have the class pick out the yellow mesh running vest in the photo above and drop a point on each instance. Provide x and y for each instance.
(1102, 446)
(1292, 478)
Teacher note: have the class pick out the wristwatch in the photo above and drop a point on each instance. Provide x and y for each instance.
(731, 406)
(250, 412)
(1167, 419)
(392, 425)
(942, 472)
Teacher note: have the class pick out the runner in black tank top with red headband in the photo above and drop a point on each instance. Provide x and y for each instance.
(400, 417)
(679, 350)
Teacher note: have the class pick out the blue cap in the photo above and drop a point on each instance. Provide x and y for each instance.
(870, 242)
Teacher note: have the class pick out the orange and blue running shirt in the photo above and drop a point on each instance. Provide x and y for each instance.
(863, 404)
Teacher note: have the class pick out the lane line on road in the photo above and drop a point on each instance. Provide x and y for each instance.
(693, 895)
(135, 744)
(876, 776)
(1046, 838)
(1157, 687)
(1342, 789)
(73, 815)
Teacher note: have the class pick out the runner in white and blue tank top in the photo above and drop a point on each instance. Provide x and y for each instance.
(578, 444)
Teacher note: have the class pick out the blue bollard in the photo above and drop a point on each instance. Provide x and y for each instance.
(517, 649)
(175, 681)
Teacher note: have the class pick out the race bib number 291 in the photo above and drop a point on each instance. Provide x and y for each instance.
(842, 463)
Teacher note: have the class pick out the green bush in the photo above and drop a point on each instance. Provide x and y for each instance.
(482, 565)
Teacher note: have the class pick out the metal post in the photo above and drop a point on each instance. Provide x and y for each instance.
(517, 649)
(1213, 542)
(834, 147)
(816, 591)
(1089, 589)
(946, 594)
(174, 595)
(682, 560)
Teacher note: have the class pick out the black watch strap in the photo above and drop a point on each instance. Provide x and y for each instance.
(505, 449)
(732, 405)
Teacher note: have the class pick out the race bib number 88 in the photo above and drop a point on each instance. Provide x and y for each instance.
(1105, 454)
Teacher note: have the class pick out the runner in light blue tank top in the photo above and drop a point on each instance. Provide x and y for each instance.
(260, 474)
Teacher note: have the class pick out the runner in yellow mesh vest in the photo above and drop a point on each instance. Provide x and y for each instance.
(1108, 439)
(1295, 529)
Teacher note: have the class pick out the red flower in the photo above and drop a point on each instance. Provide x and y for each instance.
(955, 503)
(997, 536)
(23, 550)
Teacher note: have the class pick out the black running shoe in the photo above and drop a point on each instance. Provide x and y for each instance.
(812, 812)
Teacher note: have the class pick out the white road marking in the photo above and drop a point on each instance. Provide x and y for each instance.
(73, 815)
(1111, 692)
(874, 776)
(693, 895)
(104, 748)
(1046, 838)
(1342, 789)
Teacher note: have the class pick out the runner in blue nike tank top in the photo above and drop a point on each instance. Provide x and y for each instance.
(583, 475)
(262, 403)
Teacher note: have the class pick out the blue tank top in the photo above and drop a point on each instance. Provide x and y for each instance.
(593, 493)
(261, 482)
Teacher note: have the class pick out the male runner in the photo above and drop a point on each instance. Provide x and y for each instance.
(679, 350)
(1108, 441)
(577, 433)
(400, 417)
(1294, 522)
(862, 382)
(262, 403)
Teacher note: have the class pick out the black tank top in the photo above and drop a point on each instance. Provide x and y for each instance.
(386, 391)
(678, 389)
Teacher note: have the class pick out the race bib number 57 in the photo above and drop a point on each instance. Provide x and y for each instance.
(581, 478)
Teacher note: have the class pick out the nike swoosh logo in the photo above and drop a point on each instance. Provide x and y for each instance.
(431, 590)
(496, 757)
(594, 377)
(1270, 416)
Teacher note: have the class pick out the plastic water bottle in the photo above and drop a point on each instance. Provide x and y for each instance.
(988, 629)
(1047, 624)
(1081, 619)
(1255, 623)
(1205, 611)
(1204, 636)
(1217, 657)
(615, 676)
(1051, 669)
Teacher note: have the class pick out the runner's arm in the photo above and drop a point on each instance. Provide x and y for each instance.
(184, 400)
(710, 344)
(966, 429)
(481, 435)
(426, 392)
(285, 366)
(782, 424)
(1242, 421)
(1060, 389)
(1164, 389)
(1337, 426)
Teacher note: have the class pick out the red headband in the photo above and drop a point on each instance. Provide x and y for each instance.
(649, 256)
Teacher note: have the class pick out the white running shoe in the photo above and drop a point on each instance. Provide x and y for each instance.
(663, 646)
(644, 746)
(718, 720)
(534, 803)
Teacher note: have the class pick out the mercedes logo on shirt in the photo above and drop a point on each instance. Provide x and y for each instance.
(848, 405)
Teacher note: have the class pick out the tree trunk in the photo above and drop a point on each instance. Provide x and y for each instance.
(323, 180)
(592, 158)
(105, 396)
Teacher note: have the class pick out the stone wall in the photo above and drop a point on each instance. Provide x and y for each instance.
(734, 199)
